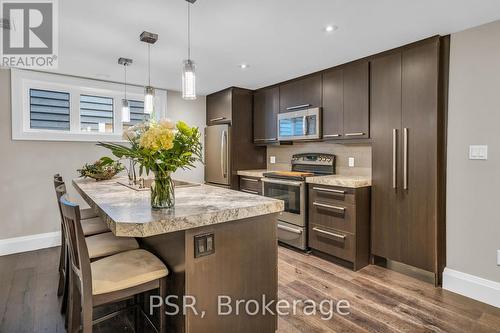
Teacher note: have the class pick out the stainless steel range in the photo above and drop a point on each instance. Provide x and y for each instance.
(290, 186)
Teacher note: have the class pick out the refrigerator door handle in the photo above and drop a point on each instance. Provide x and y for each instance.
(225, 159)
(222, 154)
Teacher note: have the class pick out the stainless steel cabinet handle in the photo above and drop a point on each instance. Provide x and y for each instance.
(354, 134)
(226, 162)
(328, 206)
(298, 106)
(394, 157)
(295, 231)
(329, 233)
(248, 191)
(250, 179)
(270, 139)
(405, 158)
(331, 135)
(328, 190)
(222, 155)
(217, 119)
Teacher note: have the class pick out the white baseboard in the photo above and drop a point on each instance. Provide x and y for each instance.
(471, 286)
(29, 243)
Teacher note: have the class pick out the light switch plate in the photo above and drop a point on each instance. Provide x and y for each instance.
(351, 162)
(478, 152)
(498, 257)
(272, 159)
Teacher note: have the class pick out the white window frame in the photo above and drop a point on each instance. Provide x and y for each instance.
(24, 80)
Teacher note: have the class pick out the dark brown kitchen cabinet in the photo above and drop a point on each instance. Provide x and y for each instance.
(346, 105)
(339, 224)
(408, 91)
(219, 107)
(301, 93)
(356, 100)
(265, 112)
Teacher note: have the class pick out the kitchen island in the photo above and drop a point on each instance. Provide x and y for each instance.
(215, 242)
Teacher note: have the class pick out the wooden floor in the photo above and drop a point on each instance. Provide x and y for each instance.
(381, 300)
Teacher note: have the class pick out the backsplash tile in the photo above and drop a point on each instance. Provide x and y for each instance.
(362, 156)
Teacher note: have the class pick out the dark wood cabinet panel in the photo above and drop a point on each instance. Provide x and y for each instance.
(219, 107)
(406, 121)
(339, 223)
(265, 112)
(333, 104)
(386, 133)
(305, 92)
(419, 121)
(356, 100)
(250, 185)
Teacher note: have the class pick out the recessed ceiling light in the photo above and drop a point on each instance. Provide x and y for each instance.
(243, 66)
(331, 28)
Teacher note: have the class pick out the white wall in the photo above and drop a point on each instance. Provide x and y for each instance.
(194, 114)
(473, 187)
(27, 199)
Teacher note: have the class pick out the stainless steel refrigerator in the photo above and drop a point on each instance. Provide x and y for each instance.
(217, 155)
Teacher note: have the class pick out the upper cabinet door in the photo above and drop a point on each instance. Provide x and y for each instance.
(265, 113)
(356, 100)
(333, 104)
(219, 107)
(300, 94)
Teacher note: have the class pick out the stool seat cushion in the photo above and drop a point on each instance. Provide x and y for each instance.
(125, 270)
(93, 226)
(87, 213)
(106, 244)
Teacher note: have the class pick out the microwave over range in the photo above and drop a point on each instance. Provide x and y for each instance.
(303, 124)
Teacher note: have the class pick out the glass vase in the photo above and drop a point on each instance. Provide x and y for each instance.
(162, 191)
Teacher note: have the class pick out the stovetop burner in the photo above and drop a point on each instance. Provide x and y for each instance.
(306, 165)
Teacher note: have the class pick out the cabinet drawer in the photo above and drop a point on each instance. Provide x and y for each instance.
(331, 195)
(250, 185)
(337, 216)
(333, 242)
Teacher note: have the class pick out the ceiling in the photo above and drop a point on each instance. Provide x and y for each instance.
(278, 39)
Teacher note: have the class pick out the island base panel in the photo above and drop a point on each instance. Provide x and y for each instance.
(243, 266)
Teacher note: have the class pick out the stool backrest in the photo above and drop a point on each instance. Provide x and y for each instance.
(78, 252)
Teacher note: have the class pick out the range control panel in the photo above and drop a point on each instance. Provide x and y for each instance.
(204, 245)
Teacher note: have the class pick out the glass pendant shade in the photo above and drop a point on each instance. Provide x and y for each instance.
(125, 111)
(149, 94)
(188, 80)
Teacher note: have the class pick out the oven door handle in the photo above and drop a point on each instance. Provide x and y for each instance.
(295, 231)
(280, 181)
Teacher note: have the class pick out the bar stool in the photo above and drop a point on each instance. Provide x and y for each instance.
(99, 244)
(108, 280)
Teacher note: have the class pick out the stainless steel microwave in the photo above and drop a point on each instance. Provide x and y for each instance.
(299, 125)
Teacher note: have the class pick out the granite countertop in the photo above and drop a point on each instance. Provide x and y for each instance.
(128, 212)
(341, 180)
(252, 173)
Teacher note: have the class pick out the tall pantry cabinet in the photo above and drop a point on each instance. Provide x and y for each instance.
(408, 88)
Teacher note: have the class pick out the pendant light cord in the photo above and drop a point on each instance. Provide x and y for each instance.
(149, 64)
(125, 81)
(189, 31)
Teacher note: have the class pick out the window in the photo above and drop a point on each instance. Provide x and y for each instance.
(55, 107)
(96, 114)
(137, 114)
(49, 110)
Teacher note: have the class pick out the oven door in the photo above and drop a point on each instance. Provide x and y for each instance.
(292, 193)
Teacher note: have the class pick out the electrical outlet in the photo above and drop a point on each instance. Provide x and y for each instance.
(498, 257)
(351, 162)
(272, 159)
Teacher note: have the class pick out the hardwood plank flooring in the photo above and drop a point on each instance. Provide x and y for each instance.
(380, 300)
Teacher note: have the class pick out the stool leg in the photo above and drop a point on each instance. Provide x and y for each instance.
(62, 266)
(163, 294)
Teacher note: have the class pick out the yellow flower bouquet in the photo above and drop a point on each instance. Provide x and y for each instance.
(160, 147)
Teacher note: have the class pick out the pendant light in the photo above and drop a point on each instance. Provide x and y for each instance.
(125, 103)
(188, 70)
(149, 91)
